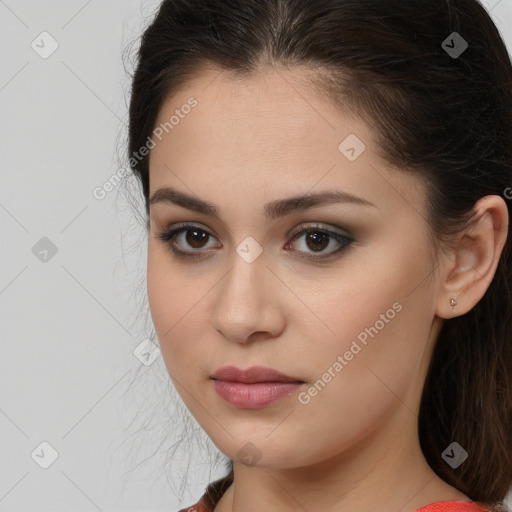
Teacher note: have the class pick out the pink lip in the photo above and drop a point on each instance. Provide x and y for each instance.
(253, 396)
(252, 375)
(253, 388)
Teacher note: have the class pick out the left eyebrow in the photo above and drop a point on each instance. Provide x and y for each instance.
(273, 209)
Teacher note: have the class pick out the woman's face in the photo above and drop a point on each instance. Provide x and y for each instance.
(352, 319)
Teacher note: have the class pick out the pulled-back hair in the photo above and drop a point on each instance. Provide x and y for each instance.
(447, 117)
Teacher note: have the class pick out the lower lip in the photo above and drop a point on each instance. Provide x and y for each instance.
(256, 395)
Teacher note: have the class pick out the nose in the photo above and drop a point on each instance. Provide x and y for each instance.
(248, 303)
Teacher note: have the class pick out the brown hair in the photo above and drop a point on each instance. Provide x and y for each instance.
(447, 117)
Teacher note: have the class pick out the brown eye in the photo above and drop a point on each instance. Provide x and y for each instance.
(317, 240)
(196, 237)
(186, 240)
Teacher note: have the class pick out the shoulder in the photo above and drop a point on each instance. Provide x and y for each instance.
(198, 507)
(212, 495)
(458, 506)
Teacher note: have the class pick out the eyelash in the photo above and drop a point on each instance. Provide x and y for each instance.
(169, 236)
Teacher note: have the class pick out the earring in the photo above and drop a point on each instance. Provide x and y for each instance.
(453, 303)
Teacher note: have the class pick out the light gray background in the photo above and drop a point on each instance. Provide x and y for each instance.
(70, 324)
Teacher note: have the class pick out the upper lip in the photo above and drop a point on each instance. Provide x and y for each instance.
(252, 375)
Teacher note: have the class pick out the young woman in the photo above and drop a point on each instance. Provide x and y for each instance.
(328, 193)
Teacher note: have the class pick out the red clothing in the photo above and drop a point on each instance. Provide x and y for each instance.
(216, 489)
(453, 506)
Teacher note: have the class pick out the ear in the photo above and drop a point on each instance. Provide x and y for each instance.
(469, 266)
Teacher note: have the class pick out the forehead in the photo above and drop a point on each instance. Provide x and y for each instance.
(272, 128)
(271, 99)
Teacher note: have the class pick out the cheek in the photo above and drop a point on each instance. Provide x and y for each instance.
(353, 396)
(171, 299)
(373, 329)
(161, 292)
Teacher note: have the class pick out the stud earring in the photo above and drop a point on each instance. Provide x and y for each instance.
(453, 303)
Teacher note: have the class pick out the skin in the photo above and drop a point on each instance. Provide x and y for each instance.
(355, 444)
